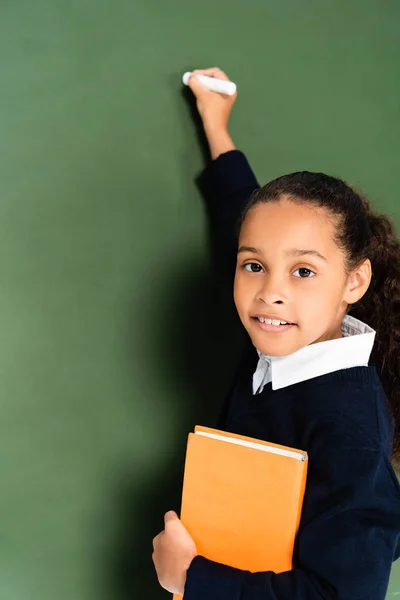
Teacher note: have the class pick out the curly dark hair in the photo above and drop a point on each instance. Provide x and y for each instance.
(361, 234)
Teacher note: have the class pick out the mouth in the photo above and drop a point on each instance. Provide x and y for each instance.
(272, 325)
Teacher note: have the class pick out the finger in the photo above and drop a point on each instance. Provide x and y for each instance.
(212, 72)
(170, 517)
(197, 87)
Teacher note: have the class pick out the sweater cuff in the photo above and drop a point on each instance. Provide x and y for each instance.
(230, 172)
(214, 581)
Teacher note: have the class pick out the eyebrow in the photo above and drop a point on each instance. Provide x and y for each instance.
(291, 252)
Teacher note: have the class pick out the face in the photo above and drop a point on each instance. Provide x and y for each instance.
(289, 269)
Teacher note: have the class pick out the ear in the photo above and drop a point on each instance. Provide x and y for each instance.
(358, 282)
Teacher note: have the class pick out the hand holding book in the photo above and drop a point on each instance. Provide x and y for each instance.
(173, 551)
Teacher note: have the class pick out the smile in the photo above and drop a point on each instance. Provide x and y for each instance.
(273, 321)
(273, 325)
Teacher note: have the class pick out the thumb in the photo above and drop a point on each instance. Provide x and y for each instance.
(170, 516)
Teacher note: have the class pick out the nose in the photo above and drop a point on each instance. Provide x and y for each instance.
(272, 290)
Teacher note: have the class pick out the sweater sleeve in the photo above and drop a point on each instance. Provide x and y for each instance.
(348, 535)
(232, 183)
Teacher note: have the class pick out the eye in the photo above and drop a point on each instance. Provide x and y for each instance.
(253, 268)
(304, 273)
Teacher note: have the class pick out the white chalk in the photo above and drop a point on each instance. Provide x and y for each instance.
(214, 85)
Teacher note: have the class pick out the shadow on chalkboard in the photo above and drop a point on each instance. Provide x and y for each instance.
(197, 339)
(190, 101)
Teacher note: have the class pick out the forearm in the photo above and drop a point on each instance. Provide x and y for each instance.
(219, 139)
(214, 581)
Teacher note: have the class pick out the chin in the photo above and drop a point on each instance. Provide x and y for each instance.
(273, 350)
(273, 347)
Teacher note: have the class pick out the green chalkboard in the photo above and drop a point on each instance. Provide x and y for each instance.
(111, 309)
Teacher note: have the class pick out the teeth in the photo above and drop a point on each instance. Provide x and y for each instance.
(272, 321)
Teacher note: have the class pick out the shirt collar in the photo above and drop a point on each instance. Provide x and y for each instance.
(352, 350)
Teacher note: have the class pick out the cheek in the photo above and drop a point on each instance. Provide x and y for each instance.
(241, 292)
(316, 302)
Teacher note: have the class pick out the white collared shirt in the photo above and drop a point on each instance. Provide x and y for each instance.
(352, 350)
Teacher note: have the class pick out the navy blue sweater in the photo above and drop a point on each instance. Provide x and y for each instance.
(350, 525)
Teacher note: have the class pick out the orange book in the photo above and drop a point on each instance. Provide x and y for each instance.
(242, 499)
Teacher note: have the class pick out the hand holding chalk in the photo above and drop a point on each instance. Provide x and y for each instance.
(214, 85)
(214, 108)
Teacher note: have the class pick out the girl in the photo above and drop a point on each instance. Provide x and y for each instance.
(310, 251)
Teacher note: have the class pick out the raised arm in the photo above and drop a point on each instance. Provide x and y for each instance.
(214, 110)
(231, 177)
